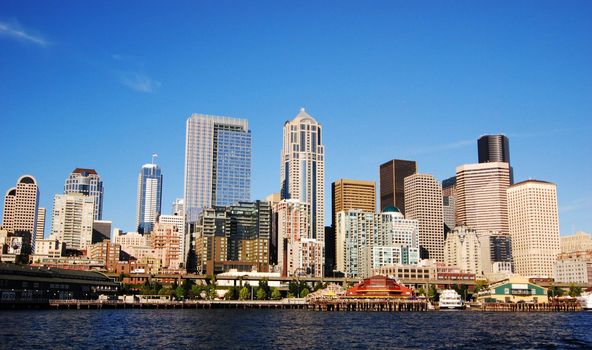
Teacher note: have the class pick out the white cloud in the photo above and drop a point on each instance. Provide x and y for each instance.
(15, 31)
(140, 82)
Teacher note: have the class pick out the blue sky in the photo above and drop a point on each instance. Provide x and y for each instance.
(106, 84)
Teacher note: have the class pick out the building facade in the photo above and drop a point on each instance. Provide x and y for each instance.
(462, 249)
(73, 219)
(217, 163)
(481, 201)
(89, 183)
(534, 227)
(149, 200)
(392, 183)
(580, 241)
(20, 214)
(423, 200)
(302, 173)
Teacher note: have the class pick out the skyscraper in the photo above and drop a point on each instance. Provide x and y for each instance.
(178, 207)
(534, 227)
(40, 229)
(392, 176)
(462, 249)
(481, 201)
(20, 210)
(73, 219)
(89, 183)
(449, 202)
(423, 200)
(302, 172)
(149, 196)
(217, 162)
(493, 148)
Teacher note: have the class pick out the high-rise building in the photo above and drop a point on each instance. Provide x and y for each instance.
(449, 202)
(40, 234)
(21, 205)
(166, 242)
(534, 227)
(481, 201)
(89, 183)
(302, 174)
(462, 249)
(368, 240)
(149, 196)
(496, 248)
(179, 222)
(392, 182)
(217, 163)
(579, 242)
(101, 231)
(495, 148)
(423, 200)
(73, 219)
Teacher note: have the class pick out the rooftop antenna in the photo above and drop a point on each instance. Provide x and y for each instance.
(154, 156)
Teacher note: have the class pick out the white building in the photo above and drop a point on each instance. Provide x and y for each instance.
(367, 241)
(581, 241)
(573, 271)
(534, 227)
(131, 241)
(149, 200)
(73, 219)
(302, 171)
(462, 249)
(48, 249)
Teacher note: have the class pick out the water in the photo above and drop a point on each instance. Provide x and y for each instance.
(181, 329)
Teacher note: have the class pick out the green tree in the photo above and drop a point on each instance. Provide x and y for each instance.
(555, 291)
(180, 293)
(420, 291)
(245, 293)
(304, 292)
(319, 285)
(212, 294)
(263, 284)
(574, 291)
(293, 288)
(261, 295)
(195, 291)
(276, 294)
(433, 293)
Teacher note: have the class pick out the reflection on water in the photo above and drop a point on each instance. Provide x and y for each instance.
(173, 329)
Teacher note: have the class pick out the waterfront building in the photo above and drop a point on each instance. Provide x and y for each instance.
(89, 183)
(573, 271)
(40, 228)
(21, 205)
(302, 175)
(48, 249)
(425, 271)
(101, 230)
(392, 183)
(165, 239)
(580, 241)
(72, 219)
(481, 201)
(423, 200)
(534, 227)
(513, 290)
(149, 196)
(379, 287)
(217, 163)
(462, 249)
(178, 207)
(367, 240)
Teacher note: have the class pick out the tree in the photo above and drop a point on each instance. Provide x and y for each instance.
(420, 291)
(304, 293)
(319, 285)
(261, 295)
(245, 293)
(293, 289)
(180, 293)
(195, 291)
(554, 291)
(433, 293)
(212, 294)
(574, 291)
(276, 294)
(263, 284)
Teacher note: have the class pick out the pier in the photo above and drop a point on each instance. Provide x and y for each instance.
(192, 304)
(384, 305)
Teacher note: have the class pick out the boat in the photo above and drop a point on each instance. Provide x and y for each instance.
(586, 301)
(450, 299)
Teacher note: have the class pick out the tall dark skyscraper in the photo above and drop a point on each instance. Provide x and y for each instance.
(494, 148)
(392, 176)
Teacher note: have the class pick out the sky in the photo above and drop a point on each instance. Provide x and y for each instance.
(104, 84)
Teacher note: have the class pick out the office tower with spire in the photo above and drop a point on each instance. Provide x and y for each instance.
(149, 196)
(217, 163)
(20, 212)
(302, 175)
(423, 200)
(534, 227)
(392, 182)
(87, 182)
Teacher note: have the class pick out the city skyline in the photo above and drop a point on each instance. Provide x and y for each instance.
(386, 98)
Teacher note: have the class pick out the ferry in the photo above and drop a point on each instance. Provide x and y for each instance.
(586, 301)
(450, 299)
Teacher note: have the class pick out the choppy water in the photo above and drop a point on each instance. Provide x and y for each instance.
(178, 329)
